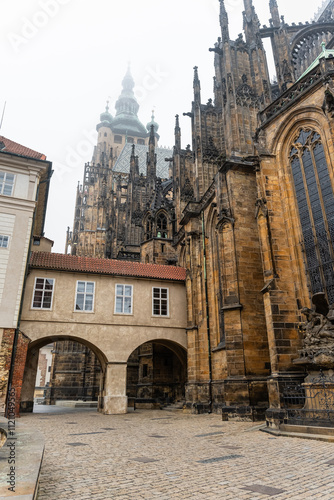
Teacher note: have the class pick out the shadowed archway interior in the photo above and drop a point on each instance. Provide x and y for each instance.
(156, 374)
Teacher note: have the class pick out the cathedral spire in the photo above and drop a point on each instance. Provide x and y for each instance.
(177, 133)
(223, 19)
(133, 149)
(197, 86)
(152, 136)
(275, 17)
(248, 8)
(251, 23)
(127, 103)
(134, 169)
(151, 158)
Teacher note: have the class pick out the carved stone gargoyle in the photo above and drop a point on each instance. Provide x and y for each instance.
(328, 104)
(318, 331)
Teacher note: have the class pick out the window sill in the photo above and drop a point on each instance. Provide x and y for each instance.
(123, 314)
(41, 309)
(220, 347)
(86, 312)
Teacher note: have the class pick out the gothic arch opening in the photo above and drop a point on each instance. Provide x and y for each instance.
(148, 226)
(162, 225)
(315, 201)
(62, 368)
(156, 374)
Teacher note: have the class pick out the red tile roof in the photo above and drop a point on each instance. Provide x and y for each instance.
(62, 262)
(18, 149)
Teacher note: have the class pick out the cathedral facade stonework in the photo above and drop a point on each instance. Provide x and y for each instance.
(247, 209)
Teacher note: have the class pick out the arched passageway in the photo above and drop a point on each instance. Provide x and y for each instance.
(156, 374)
(77, 372)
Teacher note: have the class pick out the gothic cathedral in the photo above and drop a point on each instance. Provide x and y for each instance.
(247, 209)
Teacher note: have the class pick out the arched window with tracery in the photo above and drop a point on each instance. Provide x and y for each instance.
(148, 228)
(315, 200)
(162, 226)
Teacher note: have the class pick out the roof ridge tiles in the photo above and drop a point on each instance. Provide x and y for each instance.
(17, 149)
(65, 262)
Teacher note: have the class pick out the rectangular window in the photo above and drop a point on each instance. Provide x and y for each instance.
(4, 241)
(43, 293)
(84, 300)
(6, 183)
(160, 301)
(123, 299)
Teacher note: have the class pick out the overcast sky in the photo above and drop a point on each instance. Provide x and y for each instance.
(62, 59)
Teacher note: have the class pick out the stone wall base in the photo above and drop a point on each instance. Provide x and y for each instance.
(26, 406)
(242, 398)
(243, 413)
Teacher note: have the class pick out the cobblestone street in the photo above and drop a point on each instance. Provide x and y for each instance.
(166, 455)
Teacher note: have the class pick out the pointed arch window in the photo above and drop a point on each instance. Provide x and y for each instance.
(315, 200)
(148, 229)
(162, 226)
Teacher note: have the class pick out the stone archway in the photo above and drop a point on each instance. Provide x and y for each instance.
(156, 374)
(29, 377)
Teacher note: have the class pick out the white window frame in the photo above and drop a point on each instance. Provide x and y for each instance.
(3, 183)
(43, 293)
(4, 238)
(123, 297)
(84, 293)
(160, 299)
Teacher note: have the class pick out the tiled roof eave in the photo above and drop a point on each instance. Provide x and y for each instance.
(42, 159)
(104, 273)
(14, 148)
(105, 267)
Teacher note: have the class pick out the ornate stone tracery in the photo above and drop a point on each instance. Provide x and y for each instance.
(315, 200)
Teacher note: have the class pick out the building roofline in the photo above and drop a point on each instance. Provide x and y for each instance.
(111, 267)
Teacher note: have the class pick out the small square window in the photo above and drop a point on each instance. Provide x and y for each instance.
(6, 183)
(160, 302)
(43, 293)
(84, 299)
(123, 299)
(4, 241)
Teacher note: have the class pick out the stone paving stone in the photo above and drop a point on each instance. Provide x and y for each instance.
(209, 434)
(266, 490)
(105, 468)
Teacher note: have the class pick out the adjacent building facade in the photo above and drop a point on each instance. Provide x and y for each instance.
(24, 186)
(111, 308)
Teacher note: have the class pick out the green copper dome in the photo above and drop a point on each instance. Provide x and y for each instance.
(154, 123)
(106, 116)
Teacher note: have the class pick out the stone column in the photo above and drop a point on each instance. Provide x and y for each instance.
(29, 382)
(114, 395)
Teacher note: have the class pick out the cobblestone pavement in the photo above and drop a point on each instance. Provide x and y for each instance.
(165, 455)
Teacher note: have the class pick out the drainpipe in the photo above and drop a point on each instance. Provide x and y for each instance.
(207, 315)
(17, 330)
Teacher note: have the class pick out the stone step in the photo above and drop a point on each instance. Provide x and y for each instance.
(178, 405)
